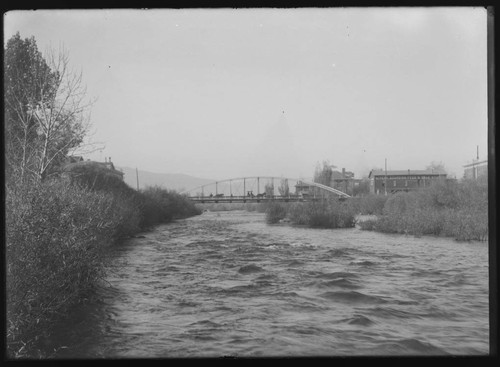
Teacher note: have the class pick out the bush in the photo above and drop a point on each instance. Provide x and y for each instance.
(447, 208)
(466, 225)
(275, 212)
(216, 207)
(126, 203)
(298, 213)
(161, 206)
(368, 205)
(55, 238)
(368, 225)
(323, 214)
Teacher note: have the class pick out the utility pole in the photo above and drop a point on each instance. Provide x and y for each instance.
(137, 177)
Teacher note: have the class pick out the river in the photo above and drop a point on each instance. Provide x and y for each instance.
(228, 284)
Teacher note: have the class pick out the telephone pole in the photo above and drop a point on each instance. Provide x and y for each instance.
(137, 177)
(385, 184)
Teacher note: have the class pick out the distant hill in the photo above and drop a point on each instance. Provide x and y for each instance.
(171, 181)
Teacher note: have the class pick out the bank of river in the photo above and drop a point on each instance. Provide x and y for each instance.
(226, 283)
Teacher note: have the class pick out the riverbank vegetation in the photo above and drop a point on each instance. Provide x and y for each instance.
(450, 208)
(60, 218)
(217, 207)
(57, 234)
(331, 213)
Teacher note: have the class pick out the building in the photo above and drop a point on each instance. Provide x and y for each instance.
(73, 161)
(388, 182)
(343, 181)
(304, 190)
(478, 168)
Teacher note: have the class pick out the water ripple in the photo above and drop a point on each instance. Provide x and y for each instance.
(227, 284)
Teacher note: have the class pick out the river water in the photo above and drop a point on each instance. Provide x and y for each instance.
(228, 284)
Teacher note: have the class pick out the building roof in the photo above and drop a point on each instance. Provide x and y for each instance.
(337, 175)
(477, 163)
(407, 172)
(74, 158)
(107, 165)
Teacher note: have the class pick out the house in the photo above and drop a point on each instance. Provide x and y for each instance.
(304, 190)
(478, 168)
(388, 182)
(73, 161)
(343, 181)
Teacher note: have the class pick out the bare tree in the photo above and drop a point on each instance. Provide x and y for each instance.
(283, 188)
(62, 118)
(23, 66)
(269, 189)
(323, 174)
(47, 111)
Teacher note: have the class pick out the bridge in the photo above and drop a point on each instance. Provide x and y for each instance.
(261, 189)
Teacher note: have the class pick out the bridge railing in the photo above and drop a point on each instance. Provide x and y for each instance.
(252, 199)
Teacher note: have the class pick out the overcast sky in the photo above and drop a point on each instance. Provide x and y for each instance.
(231, 93)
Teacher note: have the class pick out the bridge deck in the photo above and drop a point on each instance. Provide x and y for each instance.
(249, 199)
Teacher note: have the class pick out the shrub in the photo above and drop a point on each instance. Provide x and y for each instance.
(250, 207)
(55, 237)
(424, 221)
(368, 205)
(447, 208)
(298, 213)
(368, 225)
(465, 225)
(323, 214)
(275, 212)
(161, 206)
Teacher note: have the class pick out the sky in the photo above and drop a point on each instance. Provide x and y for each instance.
(226, 93)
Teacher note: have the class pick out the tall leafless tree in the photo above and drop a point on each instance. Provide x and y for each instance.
(284, 188)
(48, 112)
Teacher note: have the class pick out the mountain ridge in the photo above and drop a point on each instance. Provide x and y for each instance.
(170, 181)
